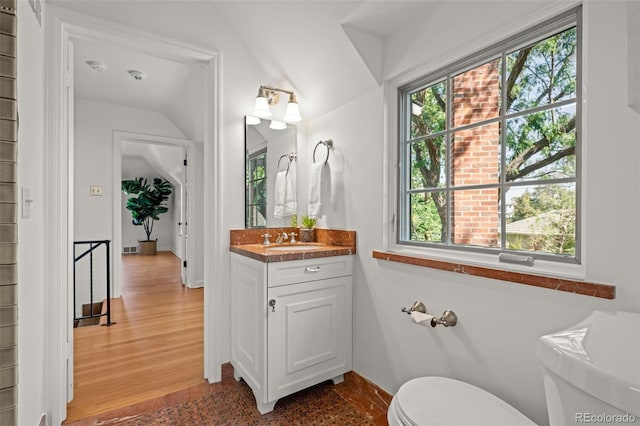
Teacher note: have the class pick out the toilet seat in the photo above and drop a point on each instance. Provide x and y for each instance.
(443, 401)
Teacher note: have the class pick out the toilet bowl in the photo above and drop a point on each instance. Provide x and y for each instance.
(442, 401)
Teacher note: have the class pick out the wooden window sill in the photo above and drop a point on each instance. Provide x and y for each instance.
(605, 291)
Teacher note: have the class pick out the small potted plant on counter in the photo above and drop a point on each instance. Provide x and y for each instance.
(307, 233)
(146, 206)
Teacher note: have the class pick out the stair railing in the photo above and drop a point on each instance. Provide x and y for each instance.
(93, 245)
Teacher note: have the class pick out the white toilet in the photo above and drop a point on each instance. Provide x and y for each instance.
(442, 401)
(591, 370)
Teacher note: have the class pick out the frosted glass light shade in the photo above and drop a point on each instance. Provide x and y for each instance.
(262, 108)
(252, 120)
(292, 113)
(277, 125)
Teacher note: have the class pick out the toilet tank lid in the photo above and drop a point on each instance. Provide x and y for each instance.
(599, 355)
(444, 401)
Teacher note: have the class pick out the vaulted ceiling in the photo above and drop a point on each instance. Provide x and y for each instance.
(328, 52)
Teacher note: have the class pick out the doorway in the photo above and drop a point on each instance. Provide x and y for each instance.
(62, 27)
(179, 161)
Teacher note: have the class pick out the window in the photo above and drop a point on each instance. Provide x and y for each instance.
(488, 149)
(256, 196)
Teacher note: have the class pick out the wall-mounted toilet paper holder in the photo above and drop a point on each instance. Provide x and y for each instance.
(417, 307)
(448, 318)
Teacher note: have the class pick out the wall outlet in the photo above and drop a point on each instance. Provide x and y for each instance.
(95, 190)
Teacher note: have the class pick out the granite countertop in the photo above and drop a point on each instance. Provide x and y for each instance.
(328, 242)
(279, 253)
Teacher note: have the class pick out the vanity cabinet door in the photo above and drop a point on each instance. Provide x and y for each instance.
(309, 334)
(248, 322)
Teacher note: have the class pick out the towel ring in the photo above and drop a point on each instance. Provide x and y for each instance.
(328, 143)
(288, 162)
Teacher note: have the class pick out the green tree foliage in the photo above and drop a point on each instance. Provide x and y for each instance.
(539, 145)
(551, 210)
(256, 187)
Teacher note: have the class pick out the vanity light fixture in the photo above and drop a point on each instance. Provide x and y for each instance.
(293, 112)
(252, 120)
(277, 125)
(261, 109)
(271, 96)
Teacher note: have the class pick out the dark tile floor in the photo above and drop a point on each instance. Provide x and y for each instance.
(232, 403)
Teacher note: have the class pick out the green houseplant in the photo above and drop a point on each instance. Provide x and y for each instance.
(307, 233)
(147, 202)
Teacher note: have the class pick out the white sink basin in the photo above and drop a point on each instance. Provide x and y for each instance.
(600, 355)
(292, 248)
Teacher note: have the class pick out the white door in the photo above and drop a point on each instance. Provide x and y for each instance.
(182, 225)
(307, 334)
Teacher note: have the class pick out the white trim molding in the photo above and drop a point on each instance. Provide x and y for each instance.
(633, 54)
(62, 26)
(118, 138)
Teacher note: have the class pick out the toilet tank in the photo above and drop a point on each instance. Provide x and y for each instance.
(591, 370)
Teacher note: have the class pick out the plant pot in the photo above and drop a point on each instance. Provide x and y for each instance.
(307, 235)
(147, 247)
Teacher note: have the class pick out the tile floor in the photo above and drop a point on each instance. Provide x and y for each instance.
(232, 403)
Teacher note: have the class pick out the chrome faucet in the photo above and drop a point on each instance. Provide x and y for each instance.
(282, 237)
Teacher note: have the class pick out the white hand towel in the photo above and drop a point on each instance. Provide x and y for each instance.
(316, 189)
(290, 197)
(280, 194)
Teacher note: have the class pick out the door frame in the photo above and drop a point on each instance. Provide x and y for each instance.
(62, 25)
(191, 152)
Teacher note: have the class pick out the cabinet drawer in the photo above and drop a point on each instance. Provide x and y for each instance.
(298, 271)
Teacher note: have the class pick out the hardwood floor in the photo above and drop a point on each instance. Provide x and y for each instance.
(155, 347)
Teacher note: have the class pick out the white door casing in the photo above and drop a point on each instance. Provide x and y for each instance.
(63, 25)
(192, 173)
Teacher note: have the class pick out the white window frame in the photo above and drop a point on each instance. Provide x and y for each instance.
(543, 266)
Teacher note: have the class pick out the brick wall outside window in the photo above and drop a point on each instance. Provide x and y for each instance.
(475, 156)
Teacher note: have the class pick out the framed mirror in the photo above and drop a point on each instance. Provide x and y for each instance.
(264, 148)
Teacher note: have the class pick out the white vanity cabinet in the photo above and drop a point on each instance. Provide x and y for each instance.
(291, 324)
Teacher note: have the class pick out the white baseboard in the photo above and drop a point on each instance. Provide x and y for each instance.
(198, 284)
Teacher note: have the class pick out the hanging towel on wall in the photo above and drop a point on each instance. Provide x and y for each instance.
(280, 194)
(319, 187)
(290, 199)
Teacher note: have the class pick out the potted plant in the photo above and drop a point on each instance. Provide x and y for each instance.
(307, 233)
(146, 206)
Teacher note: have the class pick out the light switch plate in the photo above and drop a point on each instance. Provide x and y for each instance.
(95, 190)
(26, 202)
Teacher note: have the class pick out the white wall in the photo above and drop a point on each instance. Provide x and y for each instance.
(31, 287)
(94, 125)
(493, 345)
(163, 229)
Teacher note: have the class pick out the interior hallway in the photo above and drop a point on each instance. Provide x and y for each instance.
(155, 348)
